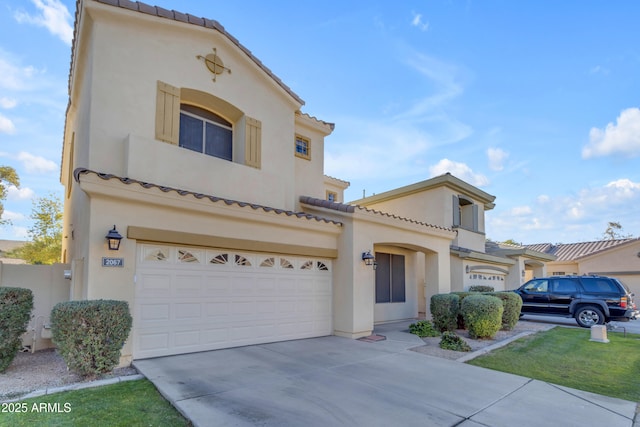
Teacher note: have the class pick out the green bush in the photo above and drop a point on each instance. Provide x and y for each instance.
(444, 311)
(512, 304)
(423, 328)
(482, 315)
(481, 288)
(15, 310)
(462, 296)
(90, 334)
(450, 341)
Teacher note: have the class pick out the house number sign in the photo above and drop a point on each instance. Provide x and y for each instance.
(112, 262)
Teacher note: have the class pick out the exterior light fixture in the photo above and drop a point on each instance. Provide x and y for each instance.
(369, 259)
(113, 239)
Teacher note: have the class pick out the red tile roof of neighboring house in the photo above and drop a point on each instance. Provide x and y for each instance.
(572, 251)
(128, 181)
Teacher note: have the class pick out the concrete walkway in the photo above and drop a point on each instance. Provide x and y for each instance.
(334, 381)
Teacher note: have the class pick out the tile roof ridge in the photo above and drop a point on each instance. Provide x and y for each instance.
(229, 202)
(344, 207)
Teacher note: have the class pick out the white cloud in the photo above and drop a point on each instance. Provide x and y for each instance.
(496, 158)
(36, 164)
(6, 125)
(16, 77)
(15, 193)
(521, 210)
(20, 233)
(418, 22)
(570, 218)
(623, 137)
(8, 103)
(53, 15)
(459, 170)
(12, 216)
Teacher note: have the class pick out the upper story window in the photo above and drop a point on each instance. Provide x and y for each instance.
(303, 147)
(332, 196)
(227, 134)
(205, 132)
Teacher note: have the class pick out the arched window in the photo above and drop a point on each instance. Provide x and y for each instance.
(205, 132)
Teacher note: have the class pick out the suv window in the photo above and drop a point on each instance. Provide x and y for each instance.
(564, 286)
(599, 286)
(537, 286)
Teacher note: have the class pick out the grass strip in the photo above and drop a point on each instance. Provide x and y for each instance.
(128, 403)
(566, 357)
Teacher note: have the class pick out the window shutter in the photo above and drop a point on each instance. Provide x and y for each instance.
(168, 113)
(252, 147)
(456, 211)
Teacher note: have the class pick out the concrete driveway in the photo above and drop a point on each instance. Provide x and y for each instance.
(337, 381)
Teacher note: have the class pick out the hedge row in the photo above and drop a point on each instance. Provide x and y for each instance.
(90, 334)
(484, 314)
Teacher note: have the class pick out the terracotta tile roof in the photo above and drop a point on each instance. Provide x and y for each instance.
(187, 19)
(343, 207)
(129, 181)
(572, 251)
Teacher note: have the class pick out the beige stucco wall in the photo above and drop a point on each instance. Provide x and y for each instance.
(622, 262)
(117, 94)
(112, 202)
(49, 287)
(427, 268)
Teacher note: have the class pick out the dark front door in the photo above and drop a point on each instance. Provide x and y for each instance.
(390, 282)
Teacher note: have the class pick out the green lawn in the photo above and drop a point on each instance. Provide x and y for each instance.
(565, 356)
(129, 403)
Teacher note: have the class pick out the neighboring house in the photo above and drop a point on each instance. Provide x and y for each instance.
(8, 246)
(618, 258)
(188, 145)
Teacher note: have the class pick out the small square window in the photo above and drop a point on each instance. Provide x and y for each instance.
(303, 147)
(331, 196)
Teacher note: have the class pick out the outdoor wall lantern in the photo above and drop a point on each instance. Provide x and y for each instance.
(369, 259)
(113, 238)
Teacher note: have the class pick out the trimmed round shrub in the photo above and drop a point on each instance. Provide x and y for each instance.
(481, 288)
(90, 334)
(451, 341)
(423, 328)
(444, 311)
(15, 310)
(482, 315)
(512, 304)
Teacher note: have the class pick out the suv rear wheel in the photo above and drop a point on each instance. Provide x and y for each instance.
(588, 316)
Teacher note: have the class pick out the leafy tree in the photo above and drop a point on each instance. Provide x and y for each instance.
(45, 246)
(8, 176)
(614, 231)
(512, 242)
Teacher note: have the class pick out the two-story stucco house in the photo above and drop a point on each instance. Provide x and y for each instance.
(202, 159)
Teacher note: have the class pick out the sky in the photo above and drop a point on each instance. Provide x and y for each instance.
(535, 102)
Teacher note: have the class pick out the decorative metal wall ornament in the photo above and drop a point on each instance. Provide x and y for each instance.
(214, 64)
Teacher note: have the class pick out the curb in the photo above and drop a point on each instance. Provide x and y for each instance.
(492, 347)
(76, 386)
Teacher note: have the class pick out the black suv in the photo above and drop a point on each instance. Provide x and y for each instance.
(591, 300)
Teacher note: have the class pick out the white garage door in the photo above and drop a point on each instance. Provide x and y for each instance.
(190, 299)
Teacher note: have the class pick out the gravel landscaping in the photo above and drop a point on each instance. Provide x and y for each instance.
(432, 344)
(42, 370)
